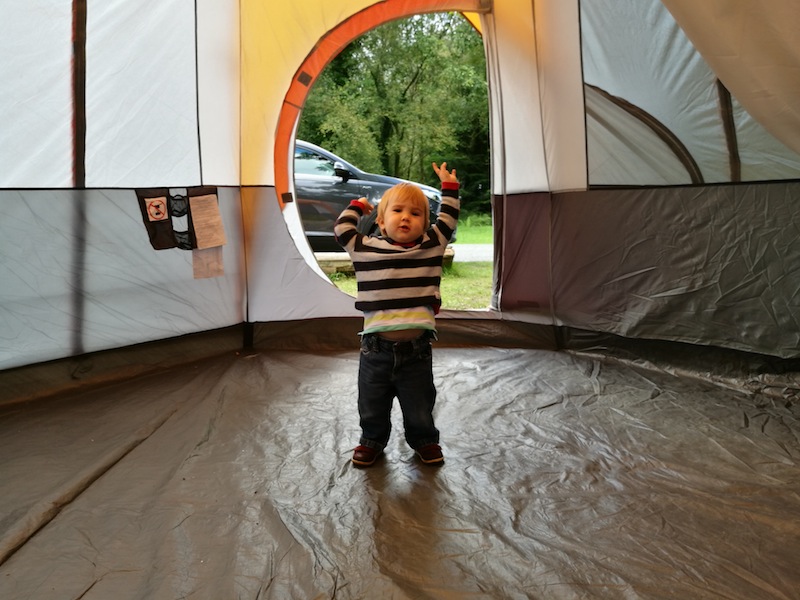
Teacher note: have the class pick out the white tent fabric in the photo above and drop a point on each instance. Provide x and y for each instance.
(545, 105)
(753, 48)
(56, 244)
(219, 91)
(670, 81)
(657, 69)
(36, 97)
(614, 134)
(280, 283)
(141, 91)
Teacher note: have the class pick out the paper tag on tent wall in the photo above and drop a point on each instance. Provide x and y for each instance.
(207, 262)
(207, 221)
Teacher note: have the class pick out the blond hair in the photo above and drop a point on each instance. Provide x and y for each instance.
(405, 191)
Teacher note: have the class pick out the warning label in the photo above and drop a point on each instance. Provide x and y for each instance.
(156, 209)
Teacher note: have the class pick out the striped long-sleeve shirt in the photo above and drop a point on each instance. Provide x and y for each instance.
(394, 280)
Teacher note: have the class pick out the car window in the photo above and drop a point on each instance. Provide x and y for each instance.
(307, 162)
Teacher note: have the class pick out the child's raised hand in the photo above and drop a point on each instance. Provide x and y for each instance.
(366, 207)
(444, 174)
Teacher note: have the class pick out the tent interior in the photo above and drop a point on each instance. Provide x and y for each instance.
(178, 377)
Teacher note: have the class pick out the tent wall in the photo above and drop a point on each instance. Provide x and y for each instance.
(36, 111)
(636, 54)
(141, 95)
(162, 94)
(534, 71)
(669, 82)
(715, 266)
(281, 285)
(79, 275)
(183, 94)
(276, 38)
(219, 91)
(754, 48)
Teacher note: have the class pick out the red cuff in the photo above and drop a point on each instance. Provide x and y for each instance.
(359, 203)
(450, 185)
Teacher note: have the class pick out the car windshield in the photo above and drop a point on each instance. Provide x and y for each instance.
(307, 162)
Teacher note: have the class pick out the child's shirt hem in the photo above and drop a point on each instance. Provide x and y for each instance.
(422, 317)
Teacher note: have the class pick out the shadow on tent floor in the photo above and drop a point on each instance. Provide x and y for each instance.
(565, 477)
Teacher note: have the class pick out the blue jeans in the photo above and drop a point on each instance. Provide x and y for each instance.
(396, 369)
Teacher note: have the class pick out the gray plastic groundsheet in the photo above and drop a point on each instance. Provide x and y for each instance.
(565, 477)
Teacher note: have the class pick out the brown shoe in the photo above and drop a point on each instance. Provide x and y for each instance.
(430, 454)
(365, 456)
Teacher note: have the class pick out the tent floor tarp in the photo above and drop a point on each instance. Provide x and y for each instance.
(566, 476)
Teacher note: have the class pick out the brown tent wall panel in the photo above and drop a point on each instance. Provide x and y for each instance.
(715, 266)
(453, 329)
(524, 265)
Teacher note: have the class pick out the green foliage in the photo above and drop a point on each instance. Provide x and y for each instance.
(468, 220)
(409, 93)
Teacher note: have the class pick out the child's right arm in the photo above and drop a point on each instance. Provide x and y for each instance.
(345, 227)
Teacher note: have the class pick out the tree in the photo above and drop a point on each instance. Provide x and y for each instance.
(408, 93)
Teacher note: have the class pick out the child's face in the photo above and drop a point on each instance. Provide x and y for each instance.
(403, 220)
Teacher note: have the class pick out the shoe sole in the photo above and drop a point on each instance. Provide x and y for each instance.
(432, 461)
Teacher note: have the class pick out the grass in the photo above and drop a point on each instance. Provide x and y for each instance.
(467, 286)
(464, 285)
(475, 229)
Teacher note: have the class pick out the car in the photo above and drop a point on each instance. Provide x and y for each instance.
(325, 184)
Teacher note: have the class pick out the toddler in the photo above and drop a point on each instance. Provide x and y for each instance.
(398, 275)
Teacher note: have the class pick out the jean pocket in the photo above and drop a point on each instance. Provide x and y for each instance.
(424, 351)
(368, 345)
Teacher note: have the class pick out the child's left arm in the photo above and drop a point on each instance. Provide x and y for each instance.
(444, 174)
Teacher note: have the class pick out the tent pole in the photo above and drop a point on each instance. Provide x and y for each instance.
(79, 93)
(79, 172)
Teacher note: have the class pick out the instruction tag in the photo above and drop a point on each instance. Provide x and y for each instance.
(207, 221)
